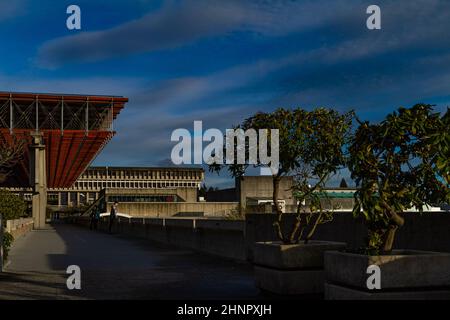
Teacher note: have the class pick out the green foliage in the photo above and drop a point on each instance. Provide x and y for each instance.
(323, 136)
(311, 147)
(400, 163)
(11, 206)
(10, 154)
(7, 243)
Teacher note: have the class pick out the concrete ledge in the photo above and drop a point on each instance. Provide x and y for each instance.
(123, 220)
(235, 225)
(154, 221)
(338, 292)
(19, 227)
(289, 282)
(184, 223)
(405, 269)
(137, 221)
(169, 209)
(274, 254)
(217, 237)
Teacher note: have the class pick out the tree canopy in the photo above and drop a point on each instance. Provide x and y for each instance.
(400, 163)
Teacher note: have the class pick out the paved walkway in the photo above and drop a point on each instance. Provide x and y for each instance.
(113, 267)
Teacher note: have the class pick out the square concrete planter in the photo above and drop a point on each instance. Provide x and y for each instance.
(291, 269)
(406, 274)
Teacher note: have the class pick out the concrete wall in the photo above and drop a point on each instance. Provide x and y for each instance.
(429, 231)
(262, 187)
(223, 238)
(187, 194)
(19, 227)
(235, 239)
(169, 209)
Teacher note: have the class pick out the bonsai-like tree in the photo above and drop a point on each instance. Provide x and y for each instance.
(325, 134)
(310, 148)
(400, 163)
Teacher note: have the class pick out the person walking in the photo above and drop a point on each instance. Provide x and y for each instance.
(95, 217)
(112, 215)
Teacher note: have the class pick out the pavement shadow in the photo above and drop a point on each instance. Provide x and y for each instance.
(118, 267)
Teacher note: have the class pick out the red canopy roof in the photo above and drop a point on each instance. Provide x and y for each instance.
(75, 129)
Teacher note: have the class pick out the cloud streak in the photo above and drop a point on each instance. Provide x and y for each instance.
(169, 27)
(180, 23)
(337, 63)
(9, 9)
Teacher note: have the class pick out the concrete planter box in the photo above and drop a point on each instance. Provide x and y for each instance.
(291, 269)
(406, 274)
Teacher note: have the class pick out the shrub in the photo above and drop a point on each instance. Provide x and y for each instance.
(11, 206)
(7, 242)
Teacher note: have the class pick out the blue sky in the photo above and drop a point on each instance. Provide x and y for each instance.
(221, 61)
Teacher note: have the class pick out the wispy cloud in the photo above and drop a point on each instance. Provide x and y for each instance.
(337, 62)
(181, 23)
(10, 9)
(170, 26)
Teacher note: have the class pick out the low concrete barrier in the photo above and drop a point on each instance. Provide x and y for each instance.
(19, 227)
(235, 239)
(16, 228)
(429, 231)
(224, 238)
(170, 209)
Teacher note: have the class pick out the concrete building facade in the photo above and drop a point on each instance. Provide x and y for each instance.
(253, 191)
(141, 192)
(88, 186)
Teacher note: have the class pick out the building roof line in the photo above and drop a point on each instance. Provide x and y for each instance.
(143, 168)
(58, 94)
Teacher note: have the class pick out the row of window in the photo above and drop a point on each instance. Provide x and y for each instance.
(80, 198)
(143, 198)
(140, 174)
(130, 184)
(70, 198)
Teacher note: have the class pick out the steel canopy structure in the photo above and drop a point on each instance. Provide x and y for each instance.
(74, 129)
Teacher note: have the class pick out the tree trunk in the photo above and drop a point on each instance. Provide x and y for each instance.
(276, 209)
(297, 230)
(313, 229)
(396, 221)
(276, 188)
(389, 240)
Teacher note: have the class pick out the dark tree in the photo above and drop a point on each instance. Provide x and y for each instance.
(311, 148)
(10, 154)
(400, 163)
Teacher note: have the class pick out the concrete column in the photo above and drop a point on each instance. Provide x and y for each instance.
(38, 180)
